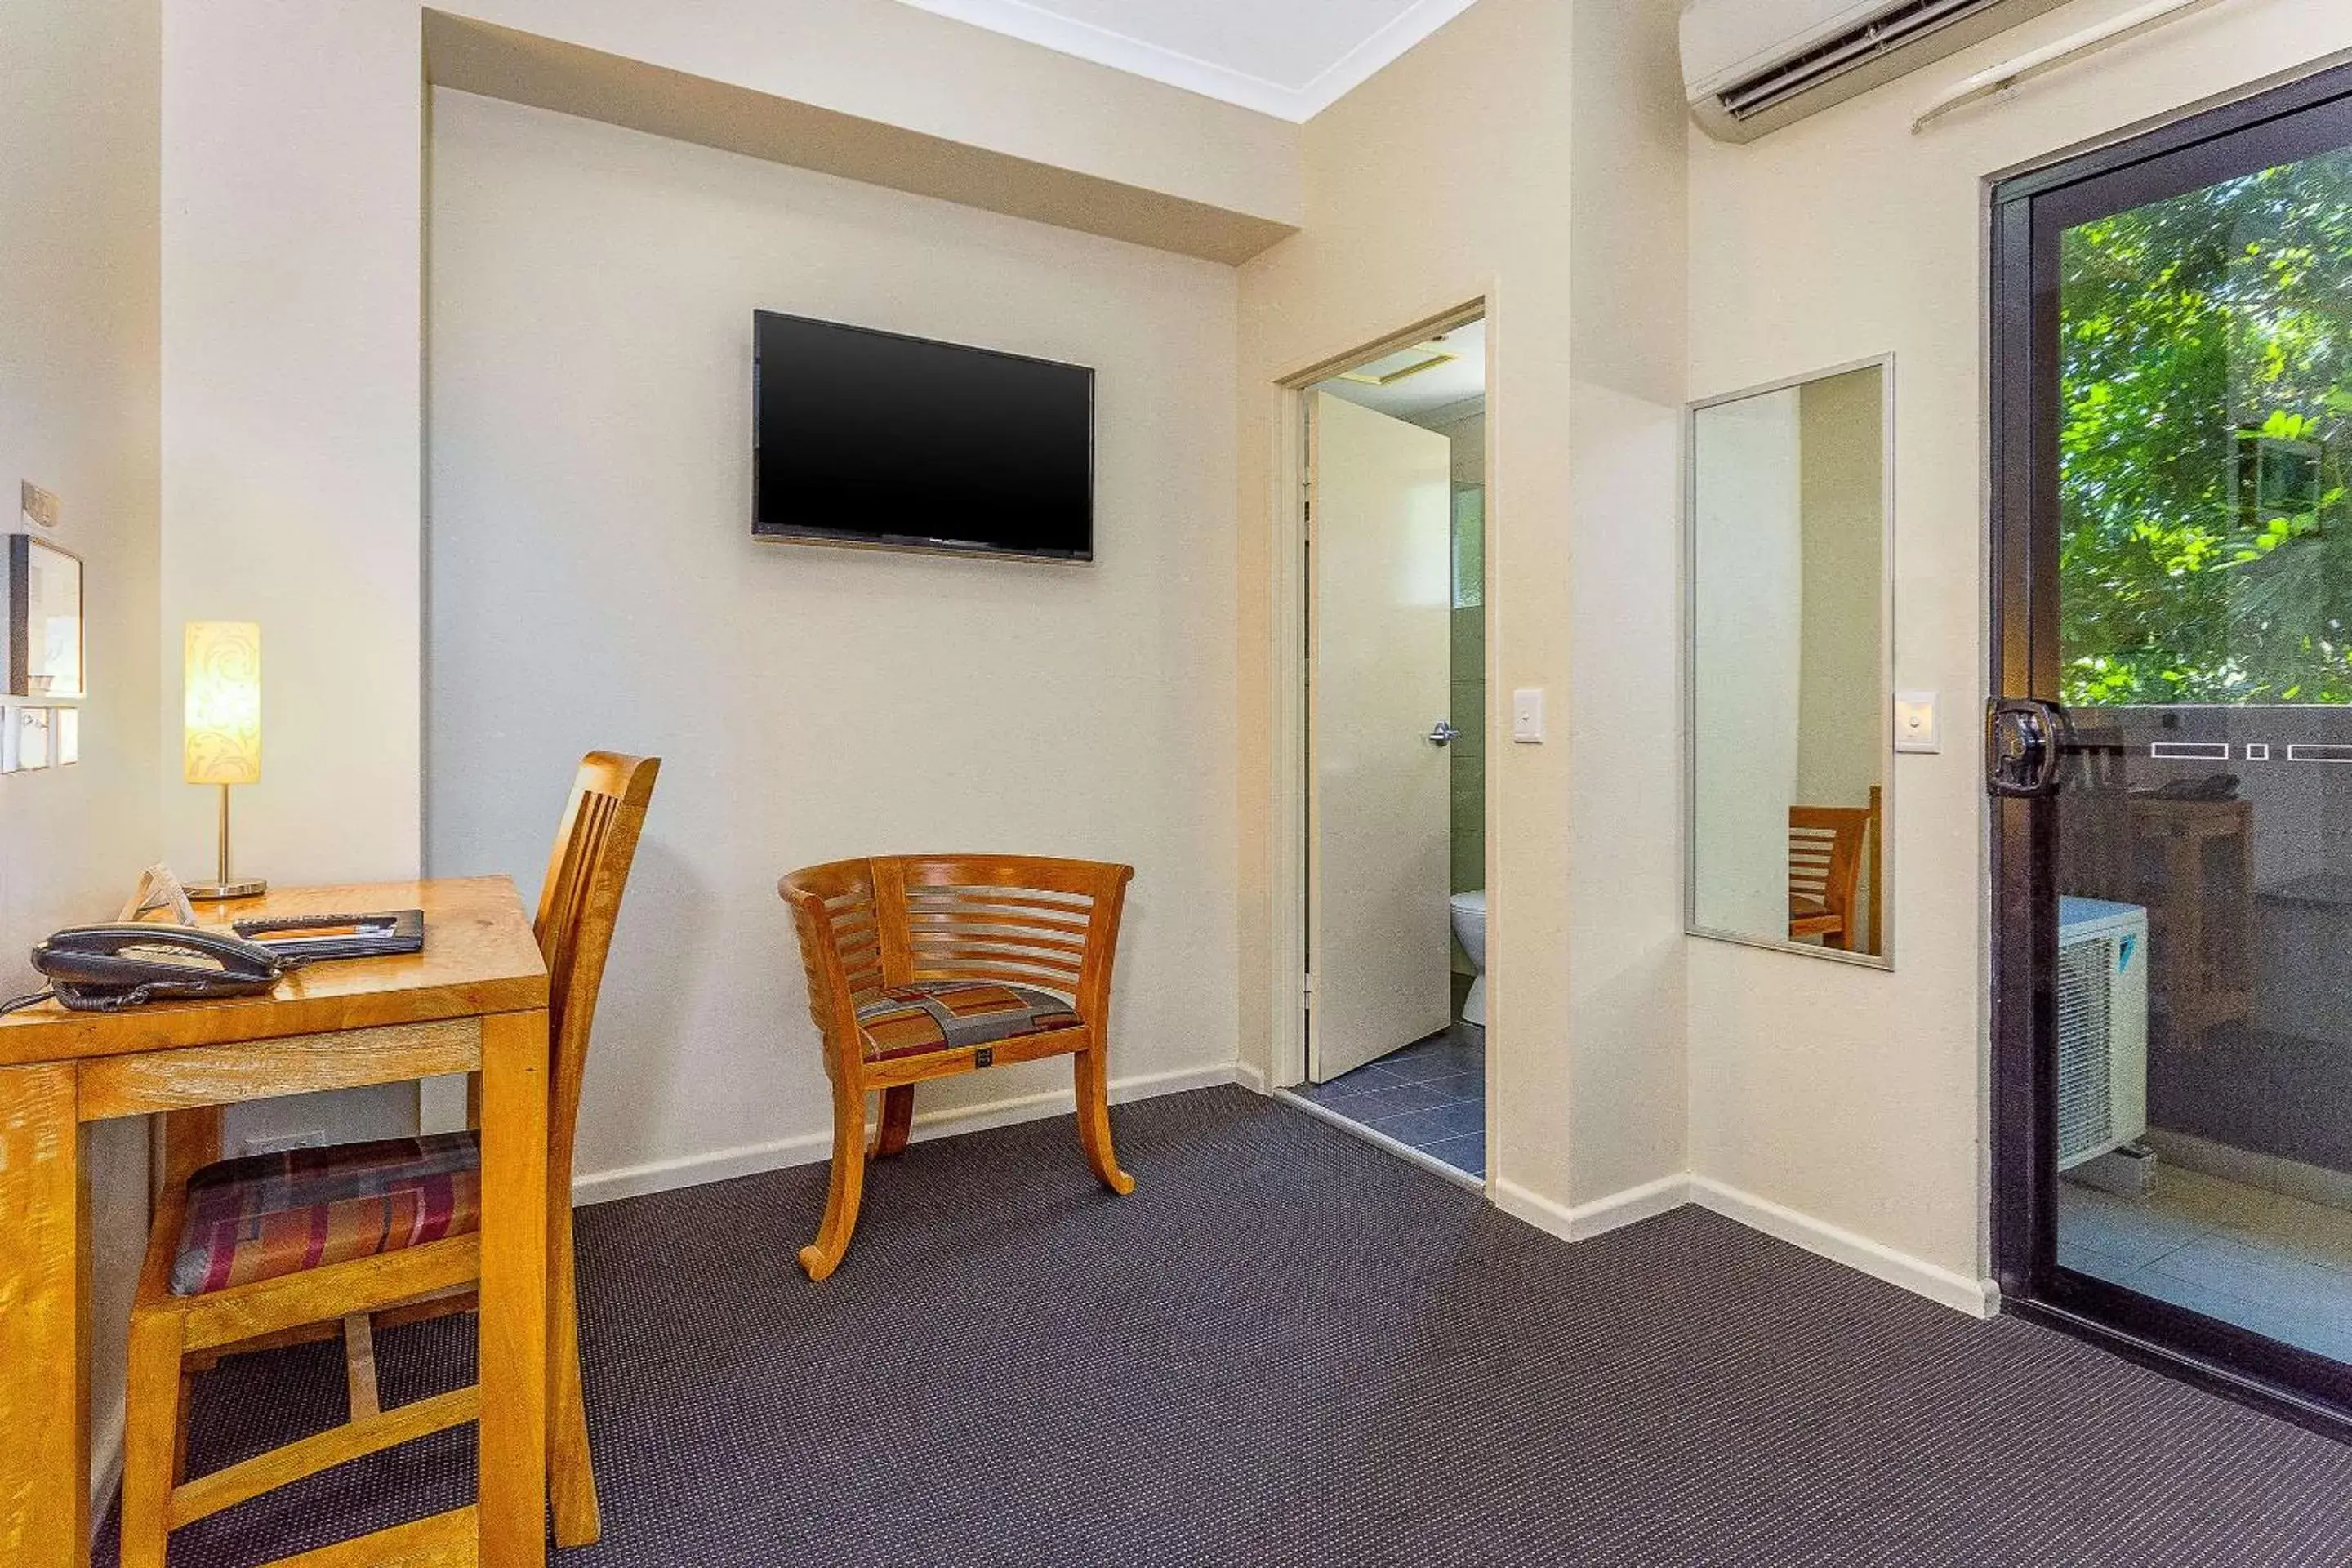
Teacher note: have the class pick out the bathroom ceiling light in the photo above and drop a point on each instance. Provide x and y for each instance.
(1391, 368)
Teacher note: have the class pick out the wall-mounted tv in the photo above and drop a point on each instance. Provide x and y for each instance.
(868, 438)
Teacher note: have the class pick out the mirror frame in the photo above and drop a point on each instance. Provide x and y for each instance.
(1885, 958)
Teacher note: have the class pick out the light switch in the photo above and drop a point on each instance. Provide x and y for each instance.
(1526, 715)
(1914, 722)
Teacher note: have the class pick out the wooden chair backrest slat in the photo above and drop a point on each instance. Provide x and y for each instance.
(578, 904)
(973, 917)
(1051, 924)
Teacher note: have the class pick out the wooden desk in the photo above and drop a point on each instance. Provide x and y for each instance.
(475, 999)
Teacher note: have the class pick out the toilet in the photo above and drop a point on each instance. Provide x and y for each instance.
(1470, 927)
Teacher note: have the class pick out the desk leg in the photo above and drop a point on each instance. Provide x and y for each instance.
(44, 1322)
(512, 1430)
(192, 1140)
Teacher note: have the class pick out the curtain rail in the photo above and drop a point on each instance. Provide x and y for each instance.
(2009, 73)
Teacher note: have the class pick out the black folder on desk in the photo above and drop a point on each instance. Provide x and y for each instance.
(313, 938)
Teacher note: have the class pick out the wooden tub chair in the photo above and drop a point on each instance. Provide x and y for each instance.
(207, 1288)
(921, 966)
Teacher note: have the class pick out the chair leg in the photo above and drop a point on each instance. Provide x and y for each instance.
(579, 1521)
(572, 1475)
(898, 1119)
(821, 1258)
(150, 1437)
(1094, 1119)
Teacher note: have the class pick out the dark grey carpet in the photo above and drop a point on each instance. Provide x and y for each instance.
(1288, 1348)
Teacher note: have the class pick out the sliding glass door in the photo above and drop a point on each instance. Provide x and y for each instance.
(2171, 744)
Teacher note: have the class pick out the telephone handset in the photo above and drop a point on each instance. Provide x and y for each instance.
(101, 968)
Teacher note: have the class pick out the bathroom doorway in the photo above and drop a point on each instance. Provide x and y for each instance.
(1396, 706)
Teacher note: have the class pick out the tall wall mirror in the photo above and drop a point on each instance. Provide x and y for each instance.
(1789, 668)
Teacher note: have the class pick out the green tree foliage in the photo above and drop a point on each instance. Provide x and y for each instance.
(2205, 552)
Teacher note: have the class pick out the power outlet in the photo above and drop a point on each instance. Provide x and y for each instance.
(41, 507)
(314, 1138)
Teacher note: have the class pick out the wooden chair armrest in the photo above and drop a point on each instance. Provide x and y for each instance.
(1102, 944)
(832, 1008)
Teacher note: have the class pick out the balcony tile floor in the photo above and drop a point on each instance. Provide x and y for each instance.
(2278, 1264)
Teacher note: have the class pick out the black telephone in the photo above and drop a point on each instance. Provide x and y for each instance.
(101, 968)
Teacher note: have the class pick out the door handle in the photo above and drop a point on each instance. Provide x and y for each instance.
(1441, 733)
(2025, 746)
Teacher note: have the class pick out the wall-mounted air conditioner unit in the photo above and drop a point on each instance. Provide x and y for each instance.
(1752, 65)
(2102, 1027)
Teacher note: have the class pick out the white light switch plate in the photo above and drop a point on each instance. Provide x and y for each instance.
(1916, 727)
(1526, 715)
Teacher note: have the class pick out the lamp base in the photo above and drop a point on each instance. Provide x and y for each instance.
(213, 892)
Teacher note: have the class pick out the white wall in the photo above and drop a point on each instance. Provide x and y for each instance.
(1856, 1097)
(79, 415)
(293, 202)
(1524, 147)
(294, 304)
(1626, 308)
(293, 242)
(592, 582)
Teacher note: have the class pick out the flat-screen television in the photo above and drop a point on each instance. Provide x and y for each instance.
(868, 437)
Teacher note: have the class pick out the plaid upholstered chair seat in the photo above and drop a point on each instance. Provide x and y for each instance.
(270, 1215)
(948, 1014)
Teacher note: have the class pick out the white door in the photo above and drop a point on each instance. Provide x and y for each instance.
(1380, 543)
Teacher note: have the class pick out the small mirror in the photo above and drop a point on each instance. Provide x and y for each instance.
(1788, 698)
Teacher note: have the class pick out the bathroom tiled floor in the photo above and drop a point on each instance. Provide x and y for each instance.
(2278, 1264)
(1431, 1095)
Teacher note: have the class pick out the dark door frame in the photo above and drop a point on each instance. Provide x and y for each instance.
(2028, 214)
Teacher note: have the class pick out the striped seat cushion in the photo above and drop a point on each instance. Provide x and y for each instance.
(943, 1014)
(269, 1215)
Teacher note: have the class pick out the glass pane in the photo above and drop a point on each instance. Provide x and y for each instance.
(2205, 851)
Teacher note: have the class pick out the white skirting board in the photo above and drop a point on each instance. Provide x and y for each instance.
(1597, 1217)
(1977, 1298)
(807, 1148)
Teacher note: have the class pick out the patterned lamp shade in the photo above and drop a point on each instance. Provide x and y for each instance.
(223, 730)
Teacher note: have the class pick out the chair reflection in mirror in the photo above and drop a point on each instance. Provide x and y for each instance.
(1829, 848)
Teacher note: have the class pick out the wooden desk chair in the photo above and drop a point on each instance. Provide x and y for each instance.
(1828, 848)
(920, 967)
(299, 1245)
